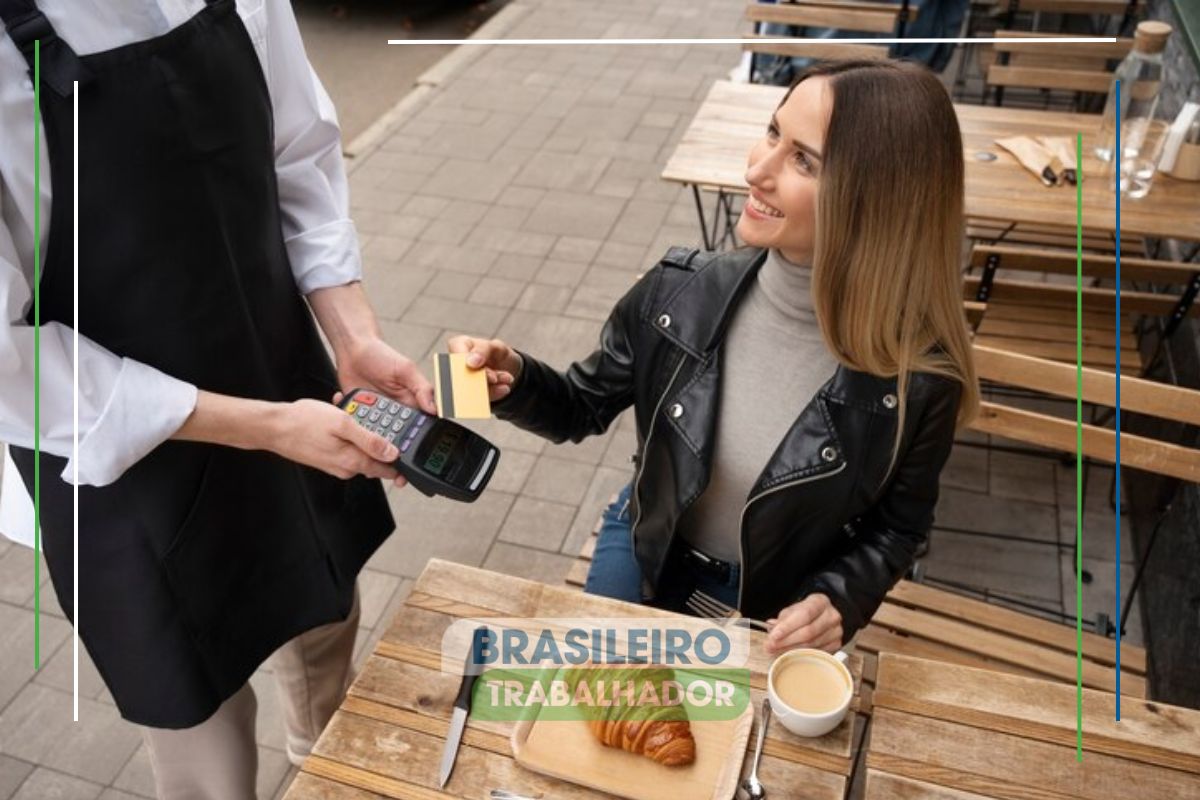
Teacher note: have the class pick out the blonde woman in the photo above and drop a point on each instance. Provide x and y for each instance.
(796, 399)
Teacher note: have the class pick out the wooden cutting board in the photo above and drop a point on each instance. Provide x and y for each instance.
(567, 749)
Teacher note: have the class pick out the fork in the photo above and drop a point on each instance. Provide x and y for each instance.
(705, 605)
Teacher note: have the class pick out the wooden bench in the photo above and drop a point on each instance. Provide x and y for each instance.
(1038, 319)
(851, 15)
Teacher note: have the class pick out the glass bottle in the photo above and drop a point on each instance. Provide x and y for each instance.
(1141, 77)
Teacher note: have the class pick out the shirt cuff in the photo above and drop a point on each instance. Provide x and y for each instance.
(325, 256)
(146, 407)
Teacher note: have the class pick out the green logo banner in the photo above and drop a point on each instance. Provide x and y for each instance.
(627, 693)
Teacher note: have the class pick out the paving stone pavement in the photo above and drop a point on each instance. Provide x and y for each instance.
(520, 198)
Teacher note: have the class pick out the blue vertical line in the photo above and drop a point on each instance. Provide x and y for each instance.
(1117, 476)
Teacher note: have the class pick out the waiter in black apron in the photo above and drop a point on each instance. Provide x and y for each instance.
(240, 534)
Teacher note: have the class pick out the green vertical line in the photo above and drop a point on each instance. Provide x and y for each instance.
(1079, 447)
(37, 354)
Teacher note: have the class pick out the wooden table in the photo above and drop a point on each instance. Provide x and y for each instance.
(386, 739)
(712, 155)
(947, 732)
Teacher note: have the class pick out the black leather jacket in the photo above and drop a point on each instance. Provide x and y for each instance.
(825, 515)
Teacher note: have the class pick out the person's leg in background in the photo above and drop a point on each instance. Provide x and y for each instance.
(938, 19)
(215, 760)
(312, 673)
(218, 759)
(614, 571)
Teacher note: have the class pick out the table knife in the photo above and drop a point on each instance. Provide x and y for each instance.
(462, 704)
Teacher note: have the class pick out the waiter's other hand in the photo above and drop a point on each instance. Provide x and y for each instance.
(503, 364)
(376, 365)
(323, 436)
(813, 622)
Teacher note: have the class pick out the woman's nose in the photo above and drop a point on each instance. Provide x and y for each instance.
(758, 171)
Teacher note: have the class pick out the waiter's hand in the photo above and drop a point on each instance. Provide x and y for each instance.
(319, 435)
(376, 365)
(813, 622)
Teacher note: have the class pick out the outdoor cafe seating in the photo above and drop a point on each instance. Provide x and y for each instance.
(952, 685)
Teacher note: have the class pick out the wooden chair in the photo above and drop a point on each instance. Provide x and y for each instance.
(1022, 17)
(1080, 68)
(1124, 10)
(989, 231)
(1178, 407)
(1037, 318)
(1098, 386)
(928, 622)
(851, 15)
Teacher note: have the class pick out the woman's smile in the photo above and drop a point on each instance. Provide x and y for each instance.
(759, 209)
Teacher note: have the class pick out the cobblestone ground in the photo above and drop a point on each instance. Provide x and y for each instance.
(518, 196)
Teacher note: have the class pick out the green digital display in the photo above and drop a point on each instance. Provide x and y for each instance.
(438, 457)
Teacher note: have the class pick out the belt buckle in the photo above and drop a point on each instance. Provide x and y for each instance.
(715, 567)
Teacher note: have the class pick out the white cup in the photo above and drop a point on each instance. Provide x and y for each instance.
(804, 723)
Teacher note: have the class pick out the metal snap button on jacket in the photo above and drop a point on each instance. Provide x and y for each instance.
(889, 401)
(664, 321)
(676, 411)
(828, 453)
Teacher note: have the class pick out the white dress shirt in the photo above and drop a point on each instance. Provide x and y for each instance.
(118, 423)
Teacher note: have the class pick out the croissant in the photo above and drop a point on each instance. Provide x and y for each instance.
(659, 732)
(669, 743)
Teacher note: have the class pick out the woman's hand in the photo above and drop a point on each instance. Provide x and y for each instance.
(503, 364)
(374, 365)
(813, 622)
(323, 436)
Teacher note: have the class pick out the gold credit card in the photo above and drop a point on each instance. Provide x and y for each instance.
(461, 392)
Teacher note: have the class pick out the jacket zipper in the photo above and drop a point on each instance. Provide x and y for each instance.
(637, 481)
(745, 508)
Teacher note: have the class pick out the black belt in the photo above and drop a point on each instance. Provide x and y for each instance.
(703, 562)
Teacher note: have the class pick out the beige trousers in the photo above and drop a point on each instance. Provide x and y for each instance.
(218, 759)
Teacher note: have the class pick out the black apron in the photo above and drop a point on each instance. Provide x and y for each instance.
(200, 560)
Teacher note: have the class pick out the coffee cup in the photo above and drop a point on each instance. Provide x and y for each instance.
(810, 690)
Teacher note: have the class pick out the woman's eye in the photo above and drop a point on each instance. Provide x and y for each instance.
(772, 132)
(803, 161)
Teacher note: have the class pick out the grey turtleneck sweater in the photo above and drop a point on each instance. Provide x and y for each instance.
(773, 361)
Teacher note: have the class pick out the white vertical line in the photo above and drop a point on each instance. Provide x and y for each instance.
(75, 414)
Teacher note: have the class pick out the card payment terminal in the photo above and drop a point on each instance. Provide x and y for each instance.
(437, 456)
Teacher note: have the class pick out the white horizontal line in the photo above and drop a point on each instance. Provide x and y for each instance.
(773, 40)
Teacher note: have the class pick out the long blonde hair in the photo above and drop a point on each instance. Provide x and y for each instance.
(887, 283)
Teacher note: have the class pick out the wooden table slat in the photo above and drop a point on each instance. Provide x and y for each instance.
(1148, 732)
(1009, 765)
(886, 786)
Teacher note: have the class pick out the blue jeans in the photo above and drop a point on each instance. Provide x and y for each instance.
(615, 572)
